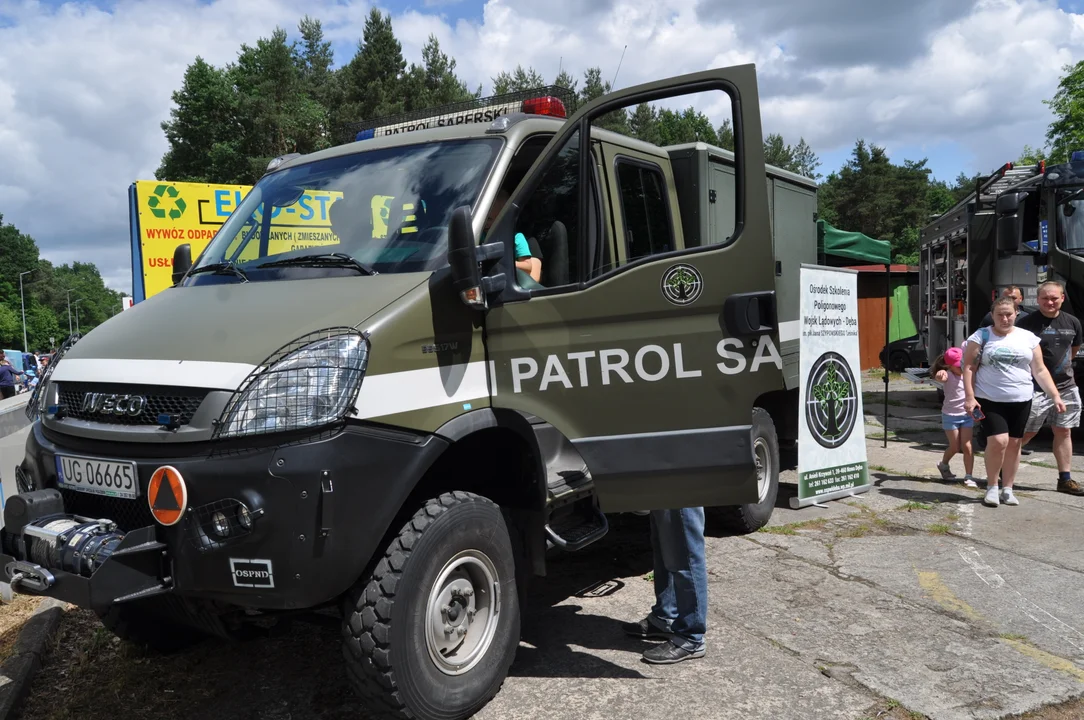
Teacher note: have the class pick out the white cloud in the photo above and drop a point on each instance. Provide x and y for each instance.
(83, 91)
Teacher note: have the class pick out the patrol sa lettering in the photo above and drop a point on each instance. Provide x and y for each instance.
(650, 363)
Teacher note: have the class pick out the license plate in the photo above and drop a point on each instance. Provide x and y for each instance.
(98, 477)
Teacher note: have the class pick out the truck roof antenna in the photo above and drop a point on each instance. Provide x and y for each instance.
(619, 66)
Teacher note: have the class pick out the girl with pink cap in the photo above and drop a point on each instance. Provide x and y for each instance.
(955, 421)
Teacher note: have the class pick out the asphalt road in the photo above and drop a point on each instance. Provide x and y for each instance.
(910, 596)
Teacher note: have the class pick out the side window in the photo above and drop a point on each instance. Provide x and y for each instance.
(644, 210)
(550, 219)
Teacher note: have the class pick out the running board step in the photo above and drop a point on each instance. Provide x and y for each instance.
(575, 531)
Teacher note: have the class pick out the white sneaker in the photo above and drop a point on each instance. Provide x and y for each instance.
(970, 482)
(991, 497)
(1007, 498)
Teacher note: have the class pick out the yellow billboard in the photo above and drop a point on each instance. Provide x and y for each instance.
(168, 214)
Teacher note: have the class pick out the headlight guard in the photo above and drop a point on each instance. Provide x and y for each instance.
(309, 383)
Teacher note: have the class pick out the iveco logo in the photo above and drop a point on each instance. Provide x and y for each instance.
(114, 404)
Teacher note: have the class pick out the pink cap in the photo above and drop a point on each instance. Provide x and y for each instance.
(953, 356)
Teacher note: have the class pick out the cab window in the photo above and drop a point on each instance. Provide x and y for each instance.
(645, 213)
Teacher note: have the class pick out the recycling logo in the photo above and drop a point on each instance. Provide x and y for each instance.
(165, 200)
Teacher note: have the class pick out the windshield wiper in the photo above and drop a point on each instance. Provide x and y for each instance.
(340, 260)
(221, 268)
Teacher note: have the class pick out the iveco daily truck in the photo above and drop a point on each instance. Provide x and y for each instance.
(395, 419)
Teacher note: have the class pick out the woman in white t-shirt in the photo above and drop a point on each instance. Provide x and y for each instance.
(998, 384)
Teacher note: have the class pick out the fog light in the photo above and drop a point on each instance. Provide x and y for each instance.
(244, 516)
(220, 524)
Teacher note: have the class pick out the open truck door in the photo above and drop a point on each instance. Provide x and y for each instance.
(647, 356)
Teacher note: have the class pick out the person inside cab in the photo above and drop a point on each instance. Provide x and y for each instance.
(525, 260)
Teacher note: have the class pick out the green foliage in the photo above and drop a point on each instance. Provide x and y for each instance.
(1066, 133)
(687, 126)
(284, 96)
(871, 195)
(45, 293)
(434, 81)
(1030, 156)
(518, 80)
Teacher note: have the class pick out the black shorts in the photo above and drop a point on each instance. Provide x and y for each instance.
(1004, 417)
(7, 391)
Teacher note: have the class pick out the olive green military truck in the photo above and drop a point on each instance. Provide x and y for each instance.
(400, 417)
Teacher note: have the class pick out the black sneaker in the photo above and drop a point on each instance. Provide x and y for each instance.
(1070, 487)
(645, 629)
(668, 653)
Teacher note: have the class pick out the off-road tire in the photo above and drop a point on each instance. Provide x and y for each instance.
(139, 625)
(750, 517)
(384, 616)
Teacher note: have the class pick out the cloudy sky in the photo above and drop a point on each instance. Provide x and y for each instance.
(85, 85)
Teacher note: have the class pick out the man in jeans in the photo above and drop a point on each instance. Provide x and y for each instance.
(680, 614)
(1059, 336)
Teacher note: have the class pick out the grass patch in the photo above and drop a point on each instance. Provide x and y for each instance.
(855, 532)
(939, 529)
(650, 577)
(916, 506)
(1042, 464)
(1013, 636)
(952, 517)
(793, 528)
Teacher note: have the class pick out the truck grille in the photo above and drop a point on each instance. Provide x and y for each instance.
(182, 402)
(127, 514)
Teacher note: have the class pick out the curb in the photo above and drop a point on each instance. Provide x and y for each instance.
(17, 671)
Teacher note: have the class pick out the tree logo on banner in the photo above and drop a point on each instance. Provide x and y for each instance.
(831, 404)
(163, 197)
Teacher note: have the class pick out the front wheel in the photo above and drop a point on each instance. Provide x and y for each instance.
(138, 623)
(431, 633)
(751, 517)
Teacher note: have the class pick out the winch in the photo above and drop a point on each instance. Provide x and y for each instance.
(41, 536)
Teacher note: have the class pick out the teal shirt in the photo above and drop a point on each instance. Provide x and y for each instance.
(523, 250)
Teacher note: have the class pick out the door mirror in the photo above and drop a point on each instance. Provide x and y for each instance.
(463, 259)
(1010, 222)
(182, 262)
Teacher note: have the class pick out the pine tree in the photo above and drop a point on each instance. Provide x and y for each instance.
(643, 125)
(203, 132)
(434, 82)
(370, 84)
(517, 81)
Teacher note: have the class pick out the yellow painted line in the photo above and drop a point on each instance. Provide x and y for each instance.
(1044, 658)
(939, 592)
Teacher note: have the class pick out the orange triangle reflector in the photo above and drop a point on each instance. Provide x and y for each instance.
(167, 495)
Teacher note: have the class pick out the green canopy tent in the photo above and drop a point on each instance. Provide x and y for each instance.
(855, 246)
(851, 245)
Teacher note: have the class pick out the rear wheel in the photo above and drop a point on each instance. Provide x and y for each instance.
(753, 516)
(431, 633)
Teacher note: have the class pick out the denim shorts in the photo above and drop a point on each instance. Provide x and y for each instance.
(955, 422)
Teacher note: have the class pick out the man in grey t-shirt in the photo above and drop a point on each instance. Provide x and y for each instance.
(1060, 336)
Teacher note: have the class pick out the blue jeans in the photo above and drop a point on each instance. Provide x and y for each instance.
(681, 575)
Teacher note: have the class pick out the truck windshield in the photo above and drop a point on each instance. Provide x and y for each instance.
(385, 210)
(1071, 219)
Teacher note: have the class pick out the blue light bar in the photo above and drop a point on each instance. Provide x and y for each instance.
(1078, 155)
(366, 134)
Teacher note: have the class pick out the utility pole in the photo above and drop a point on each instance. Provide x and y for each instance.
(23, 303)
(76, 314)
(70, 311)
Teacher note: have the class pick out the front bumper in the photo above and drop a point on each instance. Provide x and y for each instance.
(326, 500)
